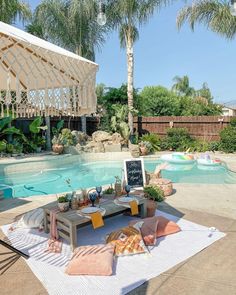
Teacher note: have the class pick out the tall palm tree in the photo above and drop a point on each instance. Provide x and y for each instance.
(70, 24)
(11, 9)
(182, 87)
(126, 17)
(215, 14)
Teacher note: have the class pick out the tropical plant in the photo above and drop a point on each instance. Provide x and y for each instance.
(153, 140)
(11, 9)
(214, 14)
(153, 192)
(177, 139)
(145, 147)
(56, 130)
(71, 24)
(5, 130)
(119, 120)
(182, 87)
(126, 16)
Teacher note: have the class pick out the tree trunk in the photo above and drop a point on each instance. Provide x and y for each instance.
(130, 85)
(48, 133)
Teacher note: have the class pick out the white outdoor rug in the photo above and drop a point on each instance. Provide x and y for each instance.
(129, 272)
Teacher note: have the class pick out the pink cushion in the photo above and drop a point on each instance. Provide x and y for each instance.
(166, 227)
(91, 260)
(156, 227)
(148, 230)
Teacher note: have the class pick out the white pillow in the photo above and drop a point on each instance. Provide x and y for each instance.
(32, 219)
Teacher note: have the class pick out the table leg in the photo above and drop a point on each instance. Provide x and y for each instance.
(143, 209)
(46, 222)
(73, 237)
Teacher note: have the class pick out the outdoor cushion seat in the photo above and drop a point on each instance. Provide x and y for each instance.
(91, 260)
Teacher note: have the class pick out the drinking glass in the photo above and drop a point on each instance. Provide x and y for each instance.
(92, 198)
(99, 190)
(127, 189)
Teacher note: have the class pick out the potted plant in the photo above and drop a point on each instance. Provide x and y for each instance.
(154, 194)
(57, 144)
(144, 147)
(57, 141)
(109, 192)
(63, 203)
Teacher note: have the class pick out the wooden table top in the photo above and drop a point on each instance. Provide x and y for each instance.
(75, 219)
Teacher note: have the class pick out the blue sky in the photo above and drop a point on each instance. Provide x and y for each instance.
(162, 53)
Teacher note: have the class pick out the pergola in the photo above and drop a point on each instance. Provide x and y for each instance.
(38, 78)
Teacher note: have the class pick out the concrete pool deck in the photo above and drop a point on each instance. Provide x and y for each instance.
(211, 271)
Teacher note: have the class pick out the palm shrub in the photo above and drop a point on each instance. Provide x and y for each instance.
(154, 141)
(228, 139)
(177, 139)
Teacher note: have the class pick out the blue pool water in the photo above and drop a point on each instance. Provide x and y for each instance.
(84, 175)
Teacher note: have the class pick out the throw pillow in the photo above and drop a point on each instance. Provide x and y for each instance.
(148, 230)
(166, 227)
(32, 219)
(127, 240)
(96, 260)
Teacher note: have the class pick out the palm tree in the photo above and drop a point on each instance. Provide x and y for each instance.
(126, 16)
(215, 14)
(11, 9)
(182, 87)
(70, 24)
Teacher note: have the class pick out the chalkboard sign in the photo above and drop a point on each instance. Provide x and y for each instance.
(134, 172)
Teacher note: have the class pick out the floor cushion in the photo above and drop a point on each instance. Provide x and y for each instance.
(148, 230)
(127, 240)
(91, 260)
(166, 227)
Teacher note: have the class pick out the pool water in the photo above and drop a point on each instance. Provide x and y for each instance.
(84, 175)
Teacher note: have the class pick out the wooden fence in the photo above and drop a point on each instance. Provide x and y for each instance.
(202, 127)
(69, 122)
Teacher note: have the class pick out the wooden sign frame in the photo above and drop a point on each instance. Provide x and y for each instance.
(143, 171)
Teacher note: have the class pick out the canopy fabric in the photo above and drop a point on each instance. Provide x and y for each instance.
(40, 78)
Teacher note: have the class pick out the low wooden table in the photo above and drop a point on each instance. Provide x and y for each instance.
(68, 222)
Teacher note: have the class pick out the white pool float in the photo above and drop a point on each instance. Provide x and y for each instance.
(178, 158)
(209, 162)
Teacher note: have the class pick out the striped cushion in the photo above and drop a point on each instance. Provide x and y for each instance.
(91, 260)
(32, 219)
(127, 241)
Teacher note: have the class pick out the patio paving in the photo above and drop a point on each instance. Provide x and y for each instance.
(211, 271)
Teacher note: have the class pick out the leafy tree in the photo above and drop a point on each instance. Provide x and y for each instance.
(70, 24)
(214, 14)
(158, 101)
(205, 92)
(182, 87)
(11, 9)
(126, 16)
(100, 91)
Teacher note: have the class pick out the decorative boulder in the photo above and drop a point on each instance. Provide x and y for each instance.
(99, 148)
(80, 136)
(99, 136)
(112, 147)
(116, 138)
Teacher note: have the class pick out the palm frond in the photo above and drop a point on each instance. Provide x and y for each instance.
(214, 14)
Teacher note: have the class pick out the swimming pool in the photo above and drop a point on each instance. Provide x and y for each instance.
(91, 174)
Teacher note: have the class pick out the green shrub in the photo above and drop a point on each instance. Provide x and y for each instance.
(233, 122)
(214, 146)
(228, 139)
(177, 139)
(154, 192)
(3, 145)
(154, 141)
(199, 146)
